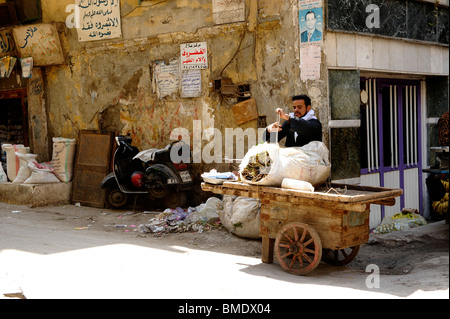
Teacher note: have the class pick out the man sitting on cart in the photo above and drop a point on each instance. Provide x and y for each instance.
(300, 127)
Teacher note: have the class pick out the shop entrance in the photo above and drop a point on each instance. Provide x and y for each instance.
(13, 118)
(391, 141)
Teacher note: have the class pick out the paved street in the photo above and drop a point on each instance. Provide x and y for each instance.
(44, 259)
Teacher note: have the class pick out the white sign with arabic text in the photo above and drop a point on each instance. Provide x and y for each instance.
(99, 19)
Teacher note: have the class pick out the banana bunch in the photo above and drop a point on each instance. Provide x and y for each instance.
(446, 184)
(441, 207)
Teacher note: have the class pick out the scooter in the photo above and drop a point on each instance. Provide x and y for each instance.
(157, 176)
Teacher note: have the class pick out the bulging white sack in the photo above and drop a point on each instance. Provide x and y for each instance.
(240, 215)
(12, 161)
(307, 163)
(63, 157)
(24, 170)
(40, 175)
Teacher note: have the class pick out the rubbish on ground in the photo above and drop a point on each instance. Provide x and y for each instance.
(195, 219)
(16, 211)
(406, 219)
(81, 228)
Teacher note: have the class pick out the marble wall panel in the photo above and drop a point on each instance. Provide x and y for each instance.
(344, 94)
(345, 153)
(398, 18)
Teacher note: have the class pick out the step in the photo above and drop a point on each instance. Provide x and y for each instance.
(35, 195)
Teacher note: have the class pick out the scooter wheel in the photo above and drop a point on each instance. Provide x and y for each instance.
(174, 200)
(115, 198)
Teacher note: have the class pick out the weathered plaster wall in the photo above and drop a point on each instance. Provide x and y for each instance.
(107, 84)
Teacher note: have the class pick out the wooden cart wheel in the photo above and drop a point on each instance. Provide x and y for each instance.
(340, 257)
(298, 248)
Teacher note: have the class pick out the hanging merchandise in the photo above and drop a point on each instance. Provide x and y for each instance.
(4, 66)
(12, 63)
(27, 67)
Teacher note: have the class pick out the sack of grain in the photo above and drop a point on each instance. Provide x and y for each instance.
(63, 157)
(24, 171)
(12, 161)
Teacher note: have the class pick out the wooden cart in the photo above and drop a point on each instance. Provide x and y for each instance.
(303, 228)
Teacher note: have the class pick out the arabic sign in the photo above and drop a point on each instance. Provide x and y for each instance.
(99, 20)
(167, 77)
(39, 41)
(191, 84)
(194, 56)
(310, 57)
(7, 45)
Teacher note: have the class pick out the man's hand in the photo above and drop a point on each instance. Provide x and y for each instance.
(275, 127)
(283, 115)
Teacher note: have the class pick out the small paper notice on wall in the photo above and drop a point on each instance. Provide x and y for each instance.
(310, 59)
(167, 77)
(27, 67)
(194, 56)
(308, 4)
(191, 84)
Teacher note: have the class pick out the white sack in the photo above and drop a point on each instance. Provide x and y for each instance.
(240, 215)
(290, 183)
(307, 163)
(41, 175)
(24, 170)
(63, 158)
(3, 176)
(12, 161)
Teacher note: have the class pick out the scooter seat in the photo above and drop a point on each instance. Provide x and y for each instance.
(162, 155)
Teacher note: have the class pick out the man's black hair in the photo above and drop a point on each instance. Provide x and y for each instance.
(302, 97)
(309, 12)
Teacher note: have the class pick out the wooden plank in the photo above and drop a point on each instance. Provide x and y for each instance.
(267, 249)
(354, 194)
(245, 111)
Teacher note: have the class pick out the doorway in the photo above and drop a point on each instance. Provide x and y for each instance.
(13, 119)
(391, 142)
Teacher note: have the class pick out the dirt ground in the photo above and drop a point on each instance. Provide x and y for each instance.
(396, 253)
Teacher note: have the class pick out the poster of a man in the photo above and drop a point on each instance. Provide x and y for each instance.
(311, 25)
